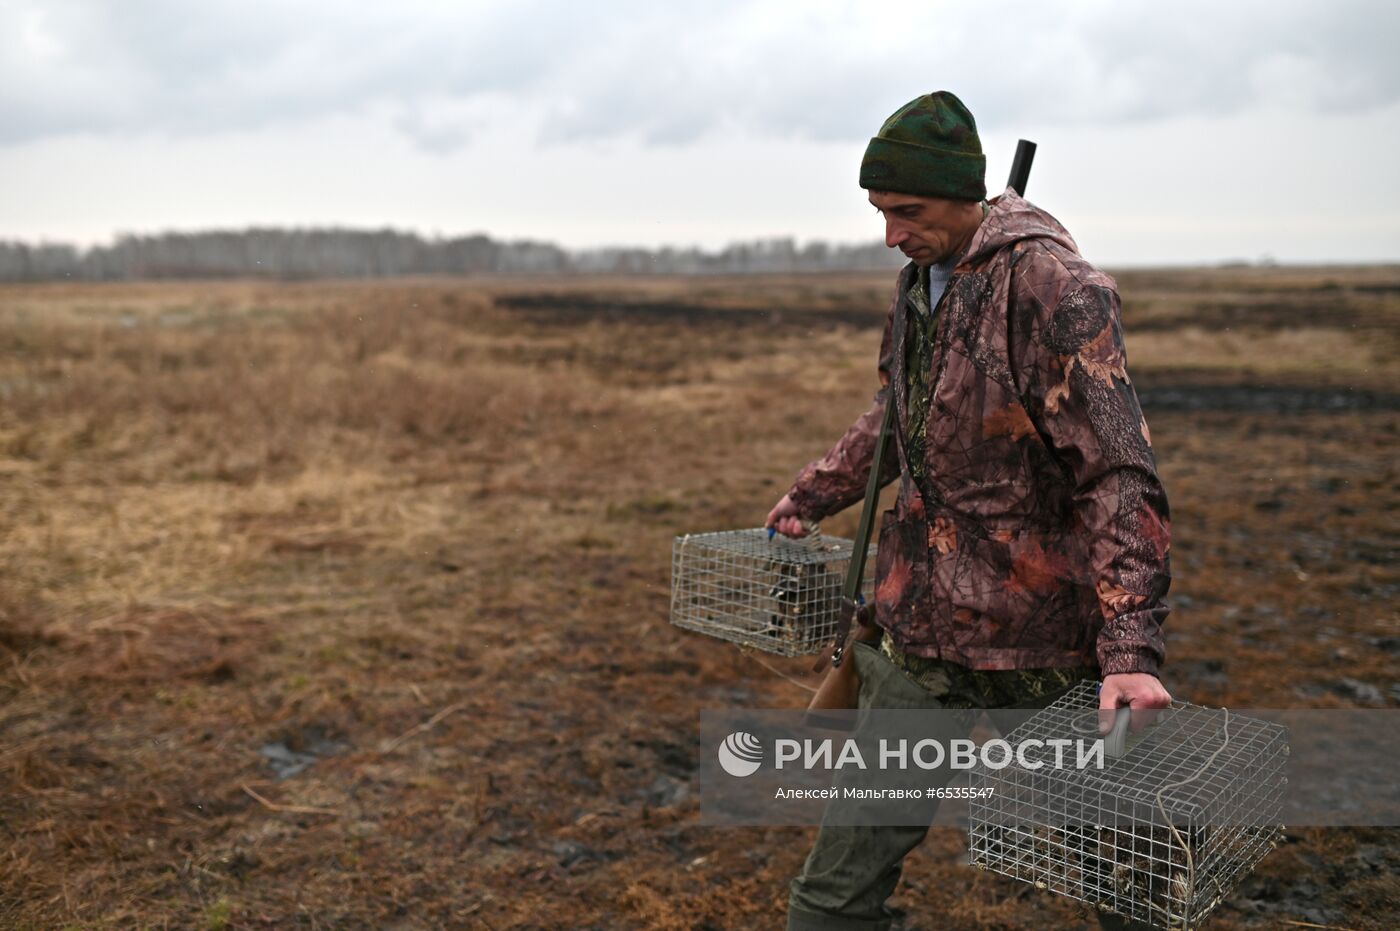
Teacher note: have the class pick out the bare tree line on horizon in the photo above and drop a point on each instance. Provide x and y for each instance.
(277, 253)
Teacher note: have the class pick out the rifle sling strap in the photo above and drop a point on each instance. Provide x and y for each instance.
(850, 591)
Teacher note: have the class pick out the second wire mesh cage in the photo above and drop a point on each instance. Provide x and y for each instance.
(1160, 834)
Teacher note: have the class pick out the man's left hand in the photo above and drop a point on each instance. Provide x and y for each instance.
(1140, 691)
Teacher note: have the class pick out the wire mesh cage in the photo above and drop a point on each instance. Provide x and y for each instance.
(781, 595)
(1160, 834)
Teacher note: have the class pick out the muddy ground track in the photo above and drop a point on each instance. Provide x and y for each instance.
(1158, 391)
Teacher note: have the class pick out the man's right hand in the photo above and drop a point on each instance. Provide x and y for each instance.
(785, 519)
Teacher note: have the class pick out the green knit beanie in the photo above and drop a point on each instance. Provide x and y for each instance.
(929, 148)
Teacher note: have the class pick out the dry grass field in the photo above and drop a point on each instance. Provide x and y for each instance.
(344, 605)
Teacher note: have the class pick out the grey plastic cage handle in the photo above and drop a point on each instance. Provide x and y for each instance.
(1115, 742)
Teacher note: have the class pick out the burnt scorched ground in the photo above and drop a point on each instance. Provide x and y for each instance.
(344, 605)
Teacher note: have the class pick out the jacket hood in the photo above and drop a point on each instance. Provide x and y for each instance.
(1011, 219)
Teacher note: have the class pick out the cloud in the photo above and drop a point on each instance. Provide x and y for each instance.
(667, 74)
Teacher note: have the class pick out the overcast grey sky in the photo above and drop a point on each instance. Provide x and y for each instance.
(1169, 132)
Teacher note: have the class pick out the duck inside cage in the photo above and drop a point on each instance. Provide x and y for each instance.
(777, 594)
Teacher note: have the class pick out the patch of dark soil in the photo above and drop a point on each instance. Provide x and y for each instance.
(1388, 644)
(1290, 899)
(1300, 311)
(1353, 690)
(1199, 674)
(573, 855)
(1262, 399)
(1323, 548)
(672, 757)
(1333, 887)
(20, 639)
(299, 749)
(572, 309)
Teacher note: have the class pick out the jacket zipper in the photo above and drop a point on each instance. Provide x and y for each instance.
(936, 360)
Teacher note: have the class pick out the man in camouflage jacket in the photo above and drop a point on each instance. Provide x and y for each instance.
(1027, 546)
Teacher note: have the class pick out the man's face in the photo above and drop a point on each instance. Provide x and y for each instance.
(929, 230)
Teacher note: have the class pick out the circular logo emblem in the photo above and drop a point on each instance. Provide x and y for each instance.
(741, 754)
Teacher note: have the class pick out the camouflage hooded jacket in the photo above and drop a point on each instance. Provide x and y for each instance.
(1039, 536)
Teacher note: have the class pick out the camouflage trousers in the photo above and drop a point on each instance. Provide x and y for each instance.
(854, 868)
(960, 687)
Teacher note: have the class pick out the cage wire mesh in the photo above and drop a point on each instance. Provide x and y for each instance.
(1160, 835)
(780, 595)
